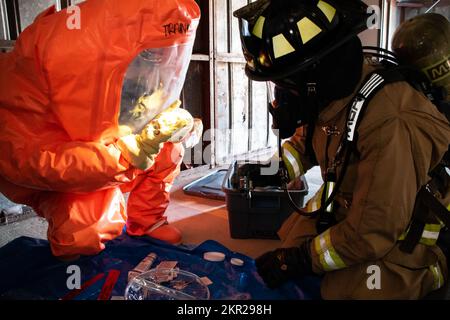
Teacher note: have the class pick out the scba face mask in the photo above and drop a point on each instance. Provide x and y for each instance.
(153, 81)
(291, 108)
(284, 107)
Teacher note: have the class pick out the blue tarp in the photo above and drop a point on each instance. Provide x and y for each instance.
(29, 271)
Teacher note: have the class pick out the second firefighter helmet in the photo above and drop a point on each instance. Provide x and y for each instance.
(424, 43)
(283, 37)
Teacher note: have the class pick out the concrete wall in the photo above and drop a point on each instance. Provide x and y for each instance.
(29, 9)
(444, 10)
(2, 27)
(370, 37)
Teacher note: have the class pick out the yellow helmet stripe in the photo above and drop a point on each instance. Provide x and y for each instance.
(328, 10)
(281, 46)
(308, 29)
(258, 28)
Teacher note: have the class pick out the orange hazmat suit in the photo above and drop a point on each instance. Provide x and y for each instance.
(60, 102)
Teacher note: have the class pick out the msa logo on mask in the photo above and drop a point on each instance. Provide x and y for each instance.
(439, 71)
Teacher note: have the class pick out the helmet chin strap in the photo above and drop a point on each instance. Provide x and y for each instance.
(312, 101)
(313, 104)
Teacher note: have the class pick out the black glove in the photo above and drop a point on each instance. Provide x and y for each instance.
(279, 266)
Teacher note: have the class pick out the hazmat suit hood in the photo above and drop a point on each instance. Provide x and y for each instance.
(154, 80)
(61, 89)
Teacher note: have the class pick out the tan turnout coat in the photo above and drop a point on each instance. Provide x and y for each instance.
(402, 136)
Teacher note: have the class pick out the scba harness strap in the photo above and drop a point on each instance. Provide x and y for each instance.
(427, 202)
(373, 83)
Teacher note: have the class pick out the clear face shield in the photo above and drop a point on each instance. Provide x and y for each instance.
(153, 81)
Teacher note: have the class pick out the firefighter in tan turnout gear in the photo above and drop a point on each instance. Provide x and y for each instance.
(376, 137)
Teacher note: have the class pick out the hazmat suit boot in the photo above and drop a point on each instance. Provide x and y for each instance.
(165, 232)
(150, 196)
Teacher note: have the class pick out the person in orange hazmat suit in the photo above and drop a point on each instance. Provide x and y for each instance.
(88, 114)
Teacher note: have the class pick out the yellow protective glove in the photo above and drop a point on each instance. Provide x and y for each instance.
(170, 125)
(195, 135)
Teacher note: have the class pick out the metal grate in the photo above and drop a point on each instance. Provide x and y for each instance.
(12, 18)
(65, 3)
(6, 45)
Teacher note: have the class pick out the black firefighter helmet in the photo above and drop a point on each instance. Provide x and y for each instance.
(282, 37)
